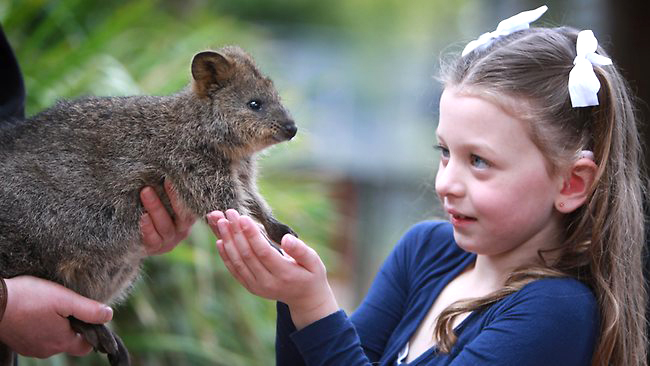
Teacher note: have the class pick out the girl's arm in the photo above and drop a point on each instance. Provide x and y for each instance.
(374, 321)
(297, 279)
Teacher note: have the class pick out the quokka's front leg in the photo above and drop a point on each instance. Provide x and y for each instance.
(257, 206)
(211, 186)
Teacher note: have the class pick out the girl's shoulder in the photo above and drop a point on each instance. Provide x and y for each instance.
(565, 299)
(549, 321)
(558, 289)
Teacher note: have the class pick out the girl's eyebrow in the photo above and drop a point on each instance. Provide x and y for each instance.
(480, 147)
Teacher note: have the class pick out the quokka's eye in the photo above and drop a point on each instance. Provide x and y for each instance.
(255, 105)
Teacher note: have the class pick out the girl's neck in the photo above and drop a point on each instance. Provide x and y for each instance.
(488, 274)
(493, 270)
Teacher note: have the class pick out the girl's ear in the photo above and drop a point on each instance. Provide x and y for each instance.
(576, 185)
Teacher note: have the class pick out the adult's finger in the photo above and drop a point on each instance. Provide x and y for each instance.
(82, 308)
(184, 217)
(154, 206)
(150, 237)
(156, 225)
(78, 346)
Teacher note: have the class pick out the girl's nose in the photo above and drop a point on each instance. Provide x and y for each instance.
(449, 181)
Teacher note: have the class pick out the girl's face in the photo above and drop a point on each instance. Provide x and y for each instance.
(493, 181)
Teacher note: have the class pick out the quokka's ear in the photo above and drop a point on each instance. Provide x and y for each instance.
(210, 68)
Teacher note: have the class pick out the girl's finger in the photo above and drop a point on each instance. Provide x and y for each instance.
(244, 243)
(212, 218)
(238, 264)
(303, 254)
(226, 261)
(268, 256)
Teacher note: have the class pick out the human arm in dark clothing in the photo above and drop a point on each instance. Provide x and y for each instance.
(12, 93)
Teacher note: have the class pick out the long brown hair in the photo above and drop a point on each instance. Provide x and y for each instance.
(527, 73)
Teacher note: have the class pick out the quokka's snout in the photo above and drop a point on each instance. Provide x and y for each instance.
(285, 130)
(289, 129)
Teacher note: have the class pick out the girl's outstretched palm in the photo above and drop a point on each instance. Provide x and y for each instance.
(297, 278)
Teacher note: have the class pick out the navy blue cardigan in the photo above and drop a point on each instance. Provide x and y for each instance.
(547, 322)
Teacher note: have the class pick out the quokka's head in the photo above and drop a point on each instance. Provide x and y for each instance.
(243, 103)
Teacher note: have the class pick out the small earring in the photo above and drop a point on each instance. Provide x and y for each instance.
(561, 204)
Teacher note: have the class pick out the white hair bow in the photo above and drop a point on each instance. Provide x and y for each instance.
(583, 82)
(505, 27)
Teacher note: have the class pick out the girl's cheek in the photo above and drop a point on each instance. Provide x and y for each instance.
(498, 205)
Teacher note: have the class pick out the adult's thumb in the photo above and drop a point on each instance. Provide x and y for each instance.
(85, 309)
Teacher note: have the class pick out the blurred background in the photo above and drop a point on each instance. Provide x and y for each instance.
(359, 78)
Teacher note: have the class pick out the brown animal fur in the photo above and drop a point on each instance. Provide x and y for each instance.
(71, 175)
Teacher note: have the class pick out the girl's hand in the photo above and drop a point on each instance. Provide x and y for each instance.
(298, 278)
(161, 233)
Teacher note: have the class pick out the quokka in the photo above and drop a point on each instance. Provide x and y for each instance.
(71, 176)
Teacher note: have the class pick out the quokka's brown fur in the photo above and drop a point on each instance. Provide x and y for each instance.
(71, 175)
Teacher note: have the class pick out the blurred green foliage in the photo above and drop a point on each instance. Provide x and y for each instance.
(187, 310)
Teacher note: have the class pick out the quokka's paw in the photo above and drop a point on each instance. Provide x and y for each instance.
(103, 340)
(277, 230)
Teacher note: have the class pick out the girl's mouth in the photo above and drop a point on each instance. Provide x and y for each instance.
(457, 219)
(461, 220)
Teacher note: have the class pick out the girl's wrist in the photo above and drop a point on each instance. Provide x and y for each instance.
(305, 313)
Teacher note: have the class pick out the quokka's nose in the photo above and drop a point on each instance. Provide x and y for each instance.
(290, 130)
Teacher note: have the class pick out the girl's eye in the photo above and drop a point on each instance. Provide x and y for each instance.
(444, 152)
(255, 105)
(479, 162)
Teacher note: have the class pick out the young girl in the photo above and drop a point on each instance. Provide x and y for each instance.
(540, 263)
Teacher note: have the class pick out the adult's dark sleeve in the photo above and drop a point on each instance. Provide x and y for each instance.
(12, 92)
